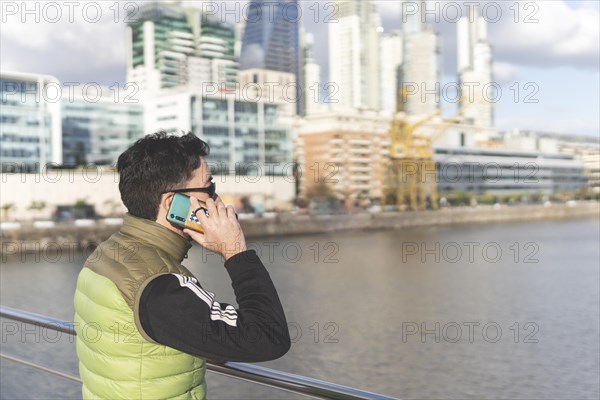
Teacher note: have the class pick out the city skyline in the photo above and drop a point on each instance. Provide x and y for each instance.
(567, 71)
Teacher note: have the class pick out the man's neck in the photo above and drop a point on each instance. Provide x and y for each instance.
(161, 220)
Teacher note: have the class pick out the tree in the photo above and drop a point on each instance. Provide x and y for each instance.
(487, 198)
(296, 176)
(7, 208)
(81, 203)
(320, 190)
(37, 206)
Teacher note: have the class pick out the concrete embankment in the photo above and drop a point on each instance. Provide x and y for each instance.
(49, 241)
(291, 225)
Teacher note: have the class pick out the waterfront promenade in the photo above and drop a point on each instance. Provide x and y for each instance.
(59, 238)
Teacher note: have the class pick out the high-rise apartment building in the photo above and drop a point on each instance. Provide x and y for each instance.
(159, 41)
(474, 58)
(169, 45)
(216, 51)
(345, 150)
(239, 29)
(313, 87)
(272, 39)
(391, 62)
(354, 61)
(421, 65)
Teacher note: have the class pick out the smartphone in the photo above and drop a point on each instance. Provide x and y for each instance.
(181, 213)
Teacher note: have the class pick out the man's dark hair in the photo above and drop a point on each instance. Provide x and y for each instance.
(154, 164)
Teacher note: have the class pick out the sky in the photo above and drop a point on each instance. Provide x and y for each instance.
(549, 50)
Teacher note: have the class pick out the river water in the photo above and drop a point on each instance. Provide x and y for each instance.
(488, 311)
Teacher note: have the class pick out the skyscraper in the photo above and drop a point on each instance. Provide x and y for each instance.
(215, 53)
(312, 76)
(271, 39)
(391, 61)
(169, 45)
(474, 57)
(421, 65)
(354, 69)
(159, 42)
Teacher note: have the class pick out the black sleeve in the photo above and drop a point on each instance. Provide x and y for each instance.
(177, 312)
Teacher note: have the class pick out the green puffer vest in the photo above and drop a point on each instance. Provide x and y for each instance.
(117, 359)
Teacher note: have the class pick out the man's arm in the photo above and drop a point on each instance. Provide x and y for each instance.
(177, 312)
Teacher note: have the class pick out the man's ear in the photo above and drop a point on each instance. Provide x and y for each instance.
(165, 201)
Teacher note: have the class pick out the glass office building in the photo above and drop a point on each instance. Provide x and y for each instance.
(245, 137)
(272, 38)
(97, 133)
(507, 171)
(30, 125)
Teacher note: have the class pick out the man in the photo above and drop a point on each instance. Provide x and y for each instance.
(144, 323)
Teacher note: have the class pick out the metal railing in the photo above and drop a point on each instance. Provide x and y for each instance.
(298, 384)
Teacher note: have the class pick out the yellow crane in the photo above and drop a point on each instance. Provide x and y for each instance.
(411, 175)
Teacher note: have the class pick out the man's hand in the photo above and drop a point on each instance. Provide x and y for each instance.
(222, 231)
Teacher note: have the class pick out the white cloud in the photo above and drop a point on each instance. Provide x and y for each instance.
(389, 8)
(561, 36)
(68, 48)
(504, 73)
(564, 34)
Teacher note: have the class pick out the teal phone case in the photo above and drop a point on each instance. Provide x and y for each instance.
(181, 213)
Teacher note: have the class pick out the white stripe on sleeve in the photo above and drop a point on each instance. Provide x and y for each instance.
(228, 315)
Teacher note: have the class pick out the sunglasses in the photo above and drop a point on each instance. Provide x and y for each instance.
(211, 190)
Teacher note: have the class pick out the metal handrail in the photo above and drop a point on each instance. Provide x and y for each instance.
(253, 373)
